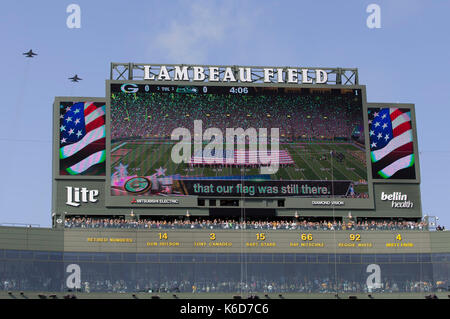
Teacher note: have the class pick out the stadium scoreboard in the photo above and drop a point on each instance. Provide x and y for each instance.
(167, 146)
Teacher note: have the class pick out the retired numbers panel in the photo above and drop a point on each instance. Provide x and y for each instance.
(255, 241)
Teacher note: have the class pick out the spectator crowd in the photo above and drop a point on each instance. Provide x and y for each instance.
(309, 116)
(252, 285)
(195, 223)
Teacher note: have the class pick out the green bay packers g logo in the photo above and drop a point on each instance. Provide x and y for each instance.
(137, 185)
(129, 88)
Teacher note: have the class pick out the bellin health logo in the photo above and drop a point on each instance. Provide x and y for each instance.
(398, 199)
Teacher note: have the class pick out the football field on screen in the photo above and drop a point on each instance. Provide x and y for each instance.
(313, 161)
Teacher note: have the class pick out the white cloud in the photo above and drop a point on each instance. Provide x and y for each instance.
(202, 30)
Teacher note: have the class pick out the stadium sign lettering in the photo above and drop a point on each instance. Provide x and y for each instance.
(328, 203)
(154, 201)
(398, 200)
(74, 198)
(233, 74)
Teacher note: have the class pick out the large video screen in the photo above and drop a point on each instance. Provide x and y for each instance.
(82, 136)
(391, 143)
(225, 141)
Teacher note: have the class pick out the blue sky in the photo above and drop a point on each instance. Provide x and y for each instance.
(406, 60)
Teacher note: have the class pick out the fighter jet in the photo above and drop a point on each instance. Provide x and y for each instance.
(29, 54)
(75, 78)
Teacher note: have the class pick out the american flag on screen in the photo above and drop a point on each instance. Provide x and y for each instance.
(245, 157)
(391, 143)
(82, 138)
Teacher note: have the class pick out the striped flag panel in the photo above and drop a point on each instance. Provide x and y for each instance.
(391, 143)
(82, 138)
(245, 157)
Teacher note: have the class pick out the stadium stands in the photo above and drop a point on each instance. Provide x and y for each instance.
(83, 222)
(256, 283)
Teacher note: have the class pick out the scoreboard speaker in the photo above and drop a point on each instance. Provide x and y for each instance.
(229, 202)
(200, 202)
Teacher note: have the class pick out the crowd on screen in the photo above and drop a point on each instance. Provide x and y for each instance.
(297, 116)
(196, 223)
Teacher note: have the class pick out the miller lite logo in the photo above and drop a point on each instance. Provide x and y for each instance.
(77, 195)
